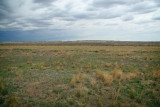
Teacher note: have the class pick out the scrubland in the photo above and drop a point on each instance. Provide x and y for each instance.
(80, 76)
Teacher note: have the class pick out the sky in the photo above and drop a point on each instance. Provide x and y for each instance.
(51, 20)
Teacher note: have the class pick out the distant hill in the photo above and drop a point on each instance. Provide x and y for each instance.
(86, 42)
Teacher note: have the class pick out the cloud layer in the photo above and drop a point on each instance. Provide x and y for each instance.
(81, 19)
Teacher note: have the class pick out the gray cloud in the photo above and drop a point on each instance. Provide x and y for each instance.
(127, 18)
(111, 3)
(79, 15)
(5, 10)
(107, 3)
(156, 18)
(44, 2)
(144, 7)
(39, 23)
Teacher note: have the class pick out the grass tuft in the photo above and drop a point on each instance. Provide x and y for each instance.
(108, 65)
(79, 90)
(73, 81)
(117, 74)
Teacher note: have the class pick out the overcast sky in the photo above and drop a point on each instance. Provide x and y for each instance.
(43, 20)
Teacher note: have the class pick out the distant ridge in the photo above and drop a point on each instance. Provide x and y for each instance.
(86, 42)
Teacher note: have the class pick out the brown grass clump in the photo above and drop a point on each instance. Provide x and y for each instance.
(79, 90)
(77, 71)
(108, 65)
(99, 74)
(122, 65)
(106, 77)
(155, 74)
(116, 94)
(131, 75)
(73, 81)
(58, 63)
(115, 65)
(42, 66)
(78, 78)
(64, 63)
(73, 66)
(1, 85)
(117, 74)
(19, 74)
(28, 62)
(88, 67)
(82, 78)
(146, 66)
(14, 101)
(92, 82)
(57, 68)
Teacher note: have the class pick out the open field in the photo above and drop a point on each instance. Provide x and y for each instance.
(84, 42)
(80, 76)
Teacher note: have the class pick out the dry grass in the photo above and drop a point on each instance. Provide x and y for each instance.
(89, 48)
(117, 74)
(73, 81)
(64, 63)
(2, 85)
(28, 62)
(115, 65)
(116, 94)
(19, 74)
(58, 68)
(77, 71)
(88, 67)
(108, 65)
(122, 65)
(106, 77)
(155, 74)
(73, 65)
(88, 86)
(92, 82)
(82, 78)
(14, 101)
(79, 90)
(78, 78)
(99, 74)
(42, 66)
(130, 75)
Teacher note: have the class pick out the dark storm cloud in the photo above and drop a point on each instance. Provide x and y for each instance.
(33, 35)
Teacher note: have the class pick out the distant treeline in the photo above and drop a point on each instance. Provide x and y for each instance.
(85, 42)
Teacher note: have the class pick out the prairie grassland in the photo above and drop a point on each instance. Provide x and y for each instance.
(89, 76)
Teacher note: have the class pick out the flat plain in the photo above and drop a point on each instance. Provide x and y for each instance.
(80, 76)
